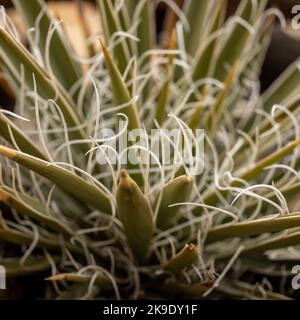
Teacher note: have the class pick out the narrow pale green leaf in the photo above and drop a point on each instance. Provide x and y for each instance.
(263, 37)
(146, 28)
(253, 228)
(274, 157)
(68, 181)
(79, 278)
(32, 265)
(32, 208)
(65, 69)
(237, 40)
(111, 24)
(16, 237)
(136, 215)
(195, 119)
(68, 205)
(280, 116)
(288, 193)
(281, 241)
(176, 191)
(252, 172)
(284, 87)
(197, 14)
(131, 6)
(14, 56)
(145, 32)
(271, 268)
(203, 63)
(163, 101)
(164, 93)
(120, 92)
(24, 142)
(217, 111)
(184, 260)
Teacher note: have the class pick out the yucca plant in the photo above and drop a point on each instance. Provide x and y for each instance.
(106, 230)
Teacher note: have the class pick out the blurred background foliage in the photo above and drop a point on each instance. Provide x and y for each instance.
(276, 61)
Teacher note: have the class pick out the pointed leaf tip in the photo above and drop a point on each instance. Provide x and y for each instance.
(7, 152)
(176, 191)
(136, 216)
(103, 47)
(4, 196)
(121, 94)
(63, 178)
(124, 177)
(185, 259)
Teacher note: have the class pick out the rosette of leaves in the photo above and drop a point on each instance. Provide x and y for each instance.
(143, 231)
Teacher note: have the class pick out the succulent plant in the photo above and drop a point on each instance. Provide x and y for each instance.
(113, 230)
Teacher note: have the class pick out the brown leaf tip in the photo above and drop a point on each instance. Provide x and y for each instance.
(4, 196)
(187, 179)
(191, 247)
(123, 174)
(9, 153)
(125, 180)
(104, 49)
(57, 277)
